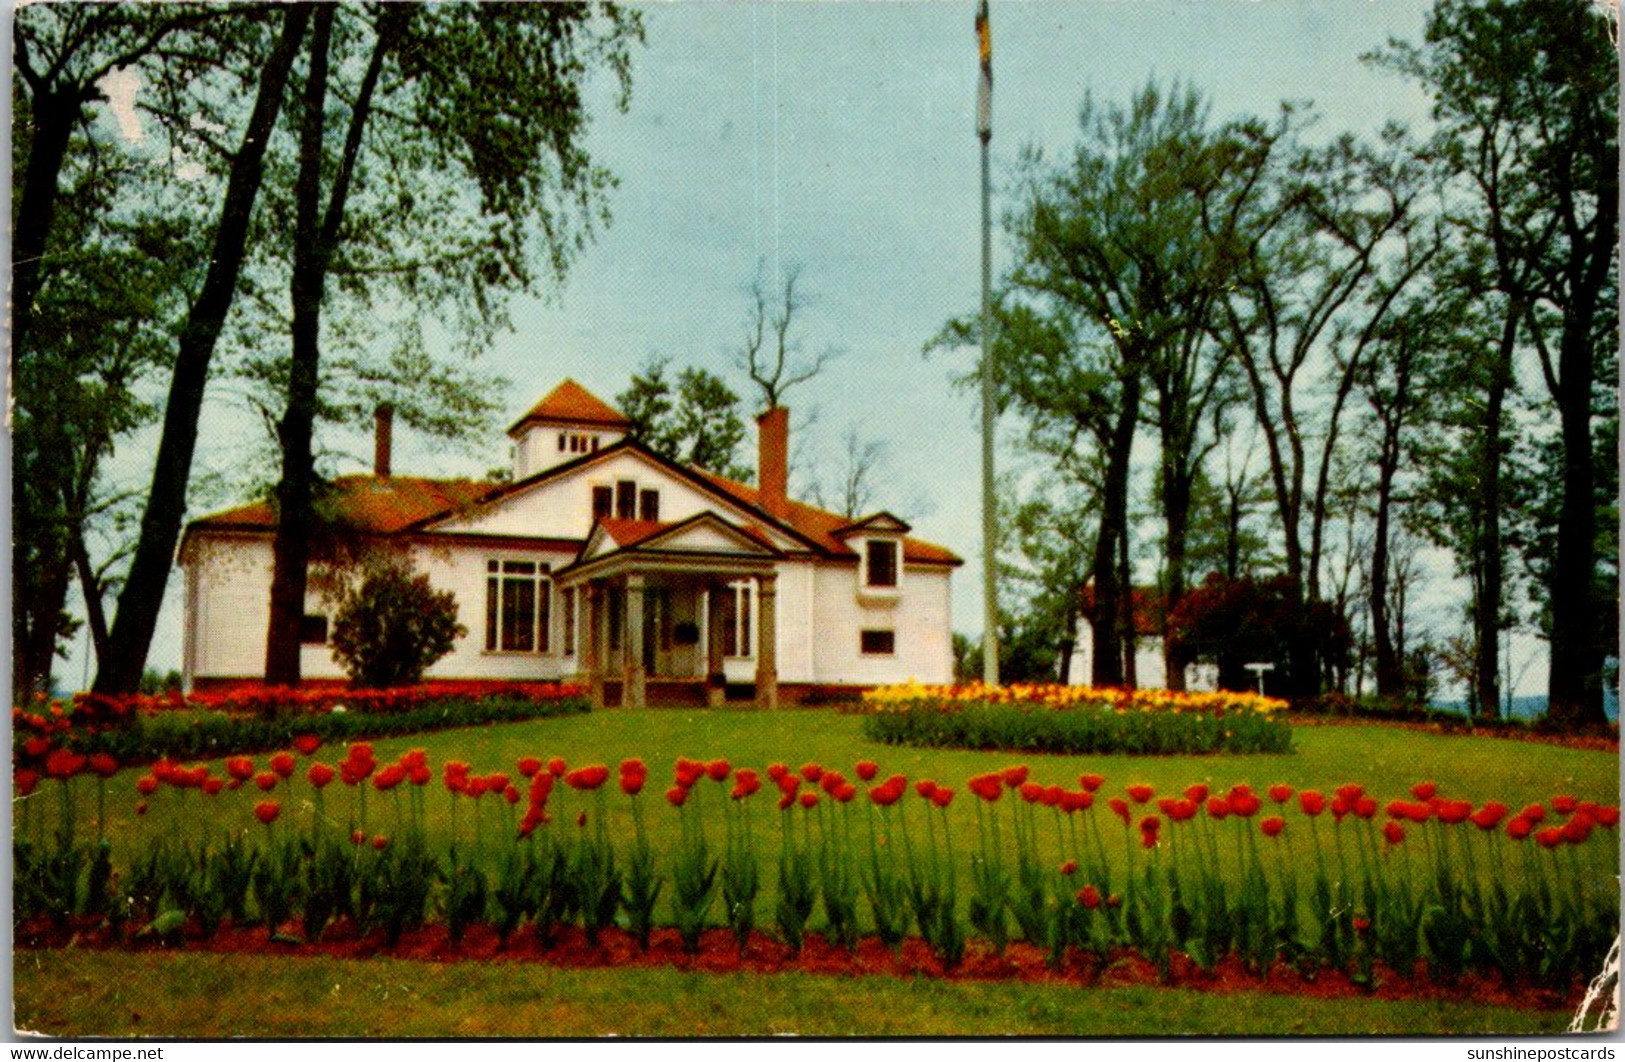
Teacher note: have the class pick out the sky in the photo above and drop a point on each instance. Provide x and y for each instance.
(839, 138)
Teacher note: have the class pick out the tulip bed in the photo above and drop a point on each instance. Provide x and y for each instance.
(1322, 879)
(1074, 719)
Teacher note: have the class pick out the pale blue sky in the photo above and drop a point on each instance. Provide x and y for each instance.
(840, 137)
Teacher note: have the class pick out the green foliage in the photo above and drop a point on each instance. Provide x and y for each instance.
(191, 735)
(393, 627)
(695, 419)
(1090, 731)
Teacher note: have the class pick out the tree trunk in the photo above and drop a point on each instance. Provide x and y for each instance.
(143, 593)
(1176, 505)
(1106, 618)
(1487, 599)
(290, 548)
(53, 116)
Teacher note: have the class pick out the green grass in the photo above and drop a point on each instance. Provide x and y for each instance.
(126, 995)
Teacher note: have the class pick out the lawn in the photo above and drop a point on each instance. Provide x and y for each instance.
(209, 994)
(124, 995)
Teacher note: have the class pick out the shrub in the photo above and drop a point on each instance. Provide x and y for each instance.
(1088, 729)
(393, 627)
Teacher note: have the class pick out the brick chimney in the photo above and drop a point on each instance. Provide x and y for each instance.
(773, 461)
(383, 420)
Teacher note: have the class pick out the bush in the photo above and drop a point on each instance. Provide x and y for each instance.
(1086, 730)
(393, 627)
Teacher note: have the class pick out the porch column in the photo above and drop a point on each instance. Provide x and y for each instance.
(716, 684)
(767, 635)
(632, 688)
(592, 661)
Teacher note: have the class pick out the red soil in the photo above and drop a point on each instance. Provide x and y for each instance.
(764, 955)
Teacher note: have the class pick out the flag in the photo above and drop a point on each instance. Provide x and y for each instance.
(984, 85)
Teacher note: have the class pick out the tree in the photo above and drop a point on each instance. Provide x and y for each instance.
(771, 353)
(1525, 96)
(693, 419)
(1328, 252)
(131, 634)
(1235, 623)
(852, 491)
(393, 628)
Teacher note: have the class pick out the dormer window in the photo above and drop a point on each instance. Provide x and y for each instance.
(626, 500)
(880, 564)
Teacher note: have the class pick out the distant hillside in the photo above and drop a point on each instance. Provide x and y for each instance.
(1535, 705)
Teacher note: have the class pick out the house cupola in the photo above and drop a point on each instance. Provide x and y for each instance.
(568, 423)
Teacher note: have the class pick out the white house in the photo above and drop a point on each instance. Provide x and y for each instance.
(605, 563)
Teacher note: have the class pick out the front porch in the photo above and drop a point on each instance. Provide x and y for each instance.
(662, 622)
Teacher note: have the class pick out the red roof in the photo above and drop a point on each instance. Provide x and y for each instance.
(626, 533)
(820, 526)
(377, 504)
(571, 403)
(1147, 604)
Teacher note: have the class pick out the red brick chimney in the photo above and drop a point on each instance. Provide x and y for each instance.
(382, 438)
(773, 461)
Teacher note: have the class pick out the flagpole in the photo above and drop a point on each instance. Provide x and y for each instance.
(990, 530)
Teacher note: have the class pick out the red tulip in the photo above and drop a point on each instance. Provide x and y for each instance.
(676, 795)
(1280, 793)
(812, 772)
(1564, 804)
(1183, 810)
(1577, 829)
(1350, 793)
(718, 770)
(556, 766)
(390, 777)
(1217, 807)
(746, 784)
(37, 746)
(1150, 824)
(320, 774)
(1031, 792)
(884, 795)
(1365, 807)
(475, 788)
(27, 781)
(529, 766)
(510, 793)
(1519, 827)
(776, 772)
(1246, 805)
(631, 784)
(1534, 813)
(1453, 812)
(266, 780)
(420, 775)
(1424, 790)
(1197, 793)
(1089, 896)
(1394, 832)
(267, 811)
(1550, 837)
(1091, 782)
(357, 838)
(1272, 826)
(1311, 803)
(1053, 795)
(380, 842)
(102, 765)
(1489, 816)
(845, 793)
(634, 768)
(212, 786)
(831, 781)
(942, 796)
(307, 744)
(1070, 867)
(1119, 808)
(1139, 793)
(987, 786)
(1239, 791)
(1014, 776)
(1361, 924)
(1397, 809)
(587, 778)
(867, 769)
(924, 787)
(497, 781)
(1607, 816)
(809, 799)
(64, 764)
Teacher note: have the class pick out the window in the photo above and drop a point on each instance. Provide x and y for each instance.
(736, 602)
(615, 601)
(882, 566)
(518, 598)
(626, 500)
(561, 442)
(877, 643)
(649, 505)
(603, 502)
(313, 630)
(569, 621)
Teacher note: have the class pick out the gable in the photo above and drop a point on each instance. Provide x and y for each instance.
(558, 504)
